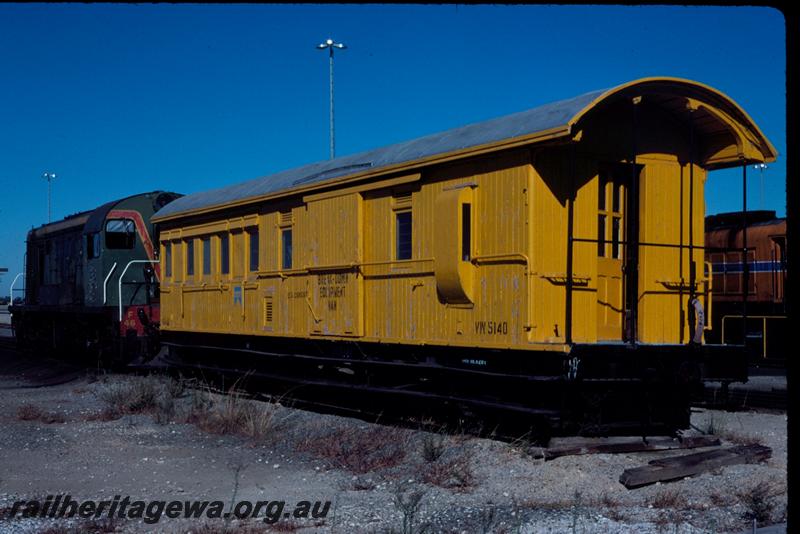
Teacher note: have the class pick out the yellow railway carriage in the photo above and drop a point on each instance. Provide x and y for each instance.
(559, 249)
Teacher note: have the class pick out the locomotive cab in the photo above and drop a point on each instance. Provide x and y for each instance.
(92, 282)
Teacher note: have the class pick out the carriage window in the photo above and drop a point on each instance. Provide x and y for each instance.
(601, 235)
(616, 237)
(120, 234)
(601, 191)
(466, 232)
(190, 257)
(93, 245)
(253, 249)
(610, 203)
(206, 255)
(168, 259)
(225, 253)
(286, 247)
(403, 235)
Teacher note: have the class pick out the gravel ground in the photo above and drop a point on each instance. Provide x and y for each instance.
(63, 439)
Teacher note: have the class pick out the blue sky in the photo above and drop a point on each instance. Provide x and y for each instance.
(120, 99)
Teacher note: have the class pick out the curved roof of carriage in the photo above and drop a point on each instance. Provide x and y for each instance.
(558, 119)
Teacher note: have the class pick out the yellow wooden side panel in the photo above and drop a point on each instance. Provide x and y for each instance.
(335, 239)
(454, 273)
(334, 252)
(293, 314)
(378, 234)
(549, 223)
(178, 262)
(401, 298)
(176, 292)
(699, 241)
(500, 312)
(397, 293)
(237, 252)
(269, 234)
(251, 319)
(663, 278)
(584, 269)
(660, 206)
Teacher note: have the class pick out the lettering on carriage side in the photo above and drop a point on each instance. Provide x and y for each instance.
(333, 287)
(491, 328)
(298, 294)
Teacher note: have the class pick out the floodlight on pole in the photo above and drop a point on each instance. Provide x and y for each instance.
(49, 176)
(331, 45)
(761, 167)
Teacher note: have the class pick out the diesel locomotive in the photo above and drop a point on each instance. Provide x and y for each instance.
(91, 282)
(764, 301)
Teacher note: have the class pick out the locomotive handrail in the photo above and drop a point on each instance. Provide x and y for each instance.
(11, 289)
(105, 282)
(763, 320)
(121, 276)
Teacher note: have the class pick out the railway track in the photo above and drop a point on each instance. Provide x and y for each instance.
(27, 372)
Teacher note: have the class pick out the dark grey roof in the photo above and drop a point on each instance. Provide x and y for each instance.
(519, 124)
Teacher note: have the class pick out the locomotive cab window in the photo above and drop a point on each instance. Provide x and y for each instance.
(403, 235)
(93, 245)
(120, 234)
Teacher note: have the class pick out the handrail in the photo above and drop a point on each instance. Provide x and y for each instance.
(105, 282)
(744, 329)
(119, 284)
(11, 289)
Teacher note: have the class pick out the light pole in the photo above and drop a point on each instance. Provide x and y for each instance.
(330, 45)
(49, 176)
(761, 167)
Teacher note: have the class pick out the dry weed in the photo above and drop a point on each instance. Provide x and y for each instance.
(31, 412)
(433, 446)
(759, 502)
(228, 529)
(233, 414)
(94, 526)
(669, 499)
(359, 450)
(455, 474)
(718, 499)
